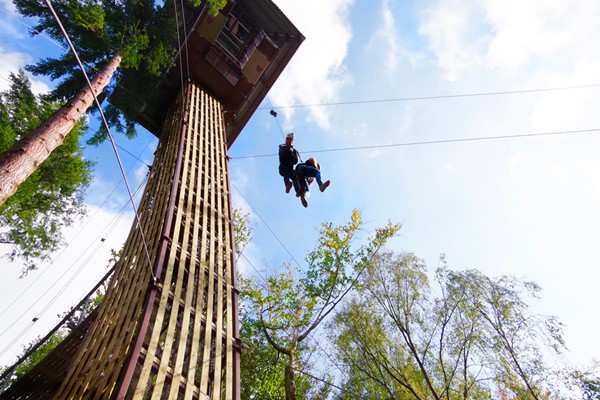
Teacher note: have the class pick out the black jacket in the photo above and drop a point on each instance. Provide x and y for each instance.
(288, 156)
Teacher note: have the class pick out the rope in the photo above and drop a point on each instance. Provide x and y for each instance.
(112, 141)
(268, 227)
(436, 97)
(441, 141)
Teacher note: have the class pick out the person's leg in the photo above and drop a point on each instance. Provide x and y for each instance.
(312, 172)
(289, 177)
(295, 181)
(302, 191)
(301, 177)
(315, 173)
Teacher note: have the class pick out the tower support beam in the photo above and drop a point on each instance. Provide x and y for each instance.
(175, 336)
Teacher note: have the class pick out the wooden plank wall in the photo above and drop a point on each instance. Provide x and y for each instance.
(42, 380)
(189, 347)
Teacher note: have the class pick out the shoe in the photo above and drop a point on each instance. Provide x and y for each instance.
(304, 202)
(300, 192)
(324, 186)
(288, 187)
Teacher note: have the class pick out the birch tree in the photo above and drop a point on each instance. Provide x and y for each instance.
(290, 305)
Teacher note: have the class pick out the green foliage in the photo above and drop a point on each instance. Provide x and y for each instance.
(261, 365)
(55, 339)
(589, 384)
(476, 339)
(39, 354)
(242, 230)
(142, 31)
(290, 305)
(32, 219)
(215, 5)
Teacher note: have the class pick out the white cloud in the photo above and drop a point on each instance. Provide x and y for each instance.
(107, 193)
(534, 29)
(449, 27)
(11, 62)
(507, 36)
(56, 287)
(387, 34)
(140, 173)
(567, 110)
(316, 73)
(37, 86)
(7, 6)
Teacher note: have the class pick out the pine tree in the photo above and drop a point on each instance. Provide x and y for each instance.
(52, 197)
(136, 35)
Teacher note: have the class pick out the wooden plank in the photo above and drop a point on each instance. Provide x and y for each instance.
(163, 302)
(229, 268)
(197, 365)
(125, 281)
(174, 271)
(219, 259)
(192, 143)
(204, 382)
(198, 269)
(174, 132)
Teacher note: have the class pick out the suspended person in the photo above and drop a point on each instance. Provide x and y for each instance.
(305, 172)
(288, 158)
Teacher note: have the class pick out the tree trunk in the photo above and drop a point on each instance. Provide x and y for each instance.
(18, 163)
(290, 378)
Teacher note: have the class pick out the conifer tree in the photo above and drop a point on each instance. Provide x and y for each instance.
(134, 35)
(51, 198)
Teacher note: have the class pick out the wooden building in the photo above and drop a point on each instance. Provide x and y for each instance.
(167, 327)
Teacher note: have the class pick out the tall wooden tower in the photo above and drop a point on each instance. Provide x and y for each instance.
(168, 328)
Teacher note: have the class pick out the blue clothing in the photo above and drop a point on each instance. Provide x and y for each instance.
(304, 172)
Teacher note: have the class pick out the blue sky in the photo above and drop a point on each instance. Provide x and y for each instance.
(525, 206)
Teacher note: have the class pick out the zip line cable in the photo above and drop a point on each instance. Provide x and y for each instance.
(73, 264)
(328, 355)
(60, 46)
(352, 102)
(32, 29)
(8, 346)
(434, 97)
(356, 396)
(108, 230)
(83, 227)
(274, 114)
(265, 280)
(65, 286)
(268, 227)
(46, 291)
(112, 141)
(120, 165)
(311, 335)
(185, 36)
(179, 47)
(441, 141)
(66, 317)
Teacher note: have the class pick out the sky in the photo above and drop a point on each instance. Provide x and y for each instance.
(394, 99)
